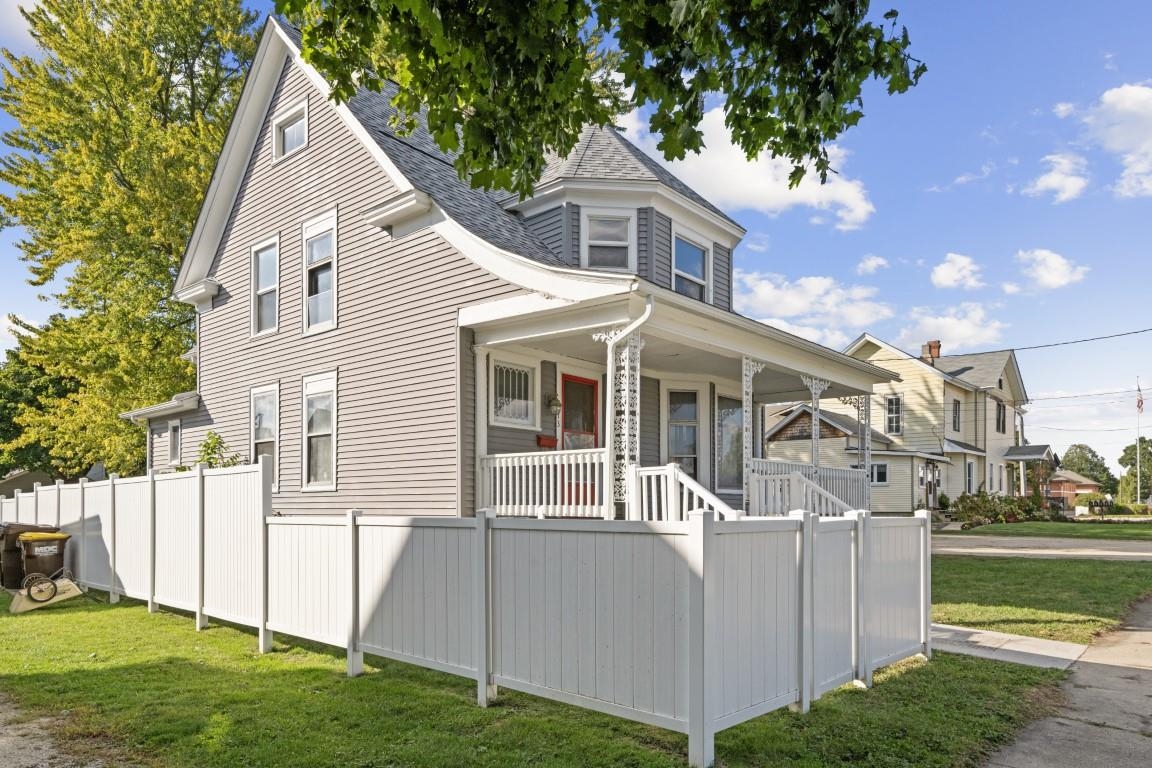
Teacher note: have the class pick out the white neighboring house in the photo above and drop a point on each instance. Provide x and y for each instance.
(952, 424)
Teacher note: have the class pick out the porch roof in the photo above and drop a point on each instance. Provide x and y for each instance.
(682, 337)
(1029, 453)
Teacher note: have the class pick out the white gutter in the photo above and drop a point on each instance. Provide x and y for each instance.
(624, 333)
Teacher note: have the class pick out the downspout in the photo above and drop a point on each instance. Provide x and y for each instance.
(609, 434)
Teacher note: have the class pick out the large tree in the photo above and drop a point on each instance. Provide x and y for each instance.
(1084, 460)
(1128, 483)
(24, 389)
(120, 115)
(506, 81)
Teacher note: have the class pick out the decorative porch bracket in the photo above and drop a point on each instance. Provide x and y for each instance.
(623, 443)
(751, 367)
(816, 387)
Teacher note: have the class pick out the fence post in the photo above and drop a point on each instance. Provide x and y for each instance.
(805, 592)
(925, 518)
(151, 541)
(59, 488)
(702, 647)
(264, 635)
(670, 485)
(80, 573)
(113, 595)
(36, 503)
(862, 575)
(355, 655)
(201, 619)
(482, 598)
(633, 499)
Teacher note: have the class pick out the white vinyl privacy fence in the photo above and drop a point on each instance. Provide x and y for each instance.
(693, 626)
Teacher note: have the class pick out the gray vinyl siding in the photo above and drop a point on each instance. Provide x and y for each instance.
(649, 422)
(513, 440)
(573, 234)
(395, 351)
(662, 250)
(549, 227)
(721, 276)
(159, 432)
(644, 228)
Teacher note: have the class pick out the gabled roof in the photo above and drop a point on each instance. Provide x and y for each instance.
(1029, 453)
(1072, 477)
(839, 421)
(604, 154)
(899, 354)
(984, 369)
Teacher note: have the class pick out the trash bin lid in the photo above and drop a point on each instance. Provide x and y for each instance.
(43, 536)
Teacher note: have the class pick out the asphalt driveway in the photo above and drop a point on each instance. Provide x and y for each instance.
(1036, 546)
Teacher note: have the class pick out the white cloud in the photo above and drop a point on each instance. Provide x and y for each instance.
(723, 174)
(1063, 109)
(957, 271)
(986, 170)
(871, 264)
(1067, 177)
(959, 328)
(7, 333)
(817, 307)
(1047, 270)
(1010, 288)
(14, 32)
(757, 242)
(1122, 124)
(1110, 61)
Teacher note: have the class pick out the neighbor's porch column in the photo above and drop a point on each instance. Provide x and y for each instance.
(863, 406)
(751, 367)
(816, 387)
(623, 432)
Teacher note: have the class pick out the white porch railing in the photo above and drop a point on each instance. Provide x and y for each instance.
(777, 495)
(669, 493)
(848, 485)
(546, 483)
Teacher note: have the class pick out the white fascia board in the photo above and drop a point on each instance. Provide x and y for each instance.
(398, 209)
(508, 309)
(554, 282)
(633, 194)
(895, 452)
(587, 317)
(850, 350)
(181, 403)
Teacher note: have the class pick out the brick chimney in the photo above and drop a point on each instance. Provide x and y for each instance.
(930, 352)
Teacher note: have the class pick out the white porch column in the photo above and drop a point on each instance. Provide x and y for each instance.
(866, 447)
(816, 387)
(622, 436)
(480, 427)
(750, 368)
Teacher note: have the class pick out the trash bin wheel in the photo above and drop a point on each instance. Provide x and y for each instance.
(42, 590)
(31, 578)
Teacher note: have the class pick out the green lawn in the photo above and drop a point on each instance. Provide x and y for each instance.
(151, 689)
(1071, 600)
(1138, 531)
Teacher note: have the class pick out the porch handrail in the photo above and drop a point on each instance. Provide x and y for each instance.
(777, 495)
(669, 493)
(546, 483)
(848, 485)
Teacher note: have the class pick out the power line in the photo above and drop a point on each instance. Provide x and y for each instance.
(1084, 429)
(1084, 394)
(1049, 345)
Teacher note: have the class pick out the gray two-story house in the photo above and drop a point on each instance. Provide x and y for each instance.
(399, 342)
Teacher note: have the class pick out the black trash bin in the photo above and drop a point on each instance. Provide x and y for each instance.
(12, 554)
(43, 552)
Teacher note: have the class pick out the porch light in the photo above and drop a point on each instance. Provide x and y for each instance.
(554, 404)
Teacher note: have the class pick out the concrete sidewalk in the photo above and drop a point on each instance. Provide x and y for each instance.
(1039, 546)
(1000, 646)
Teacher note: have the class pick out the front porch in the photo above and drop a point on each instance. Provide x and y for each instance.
(646, 411)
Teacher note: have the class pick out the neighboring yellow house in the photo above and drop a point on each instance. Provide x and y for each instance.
(951, 425)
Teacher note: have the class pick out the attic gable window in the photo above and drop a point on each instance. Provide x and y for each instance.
(290, 131)
(608, 238)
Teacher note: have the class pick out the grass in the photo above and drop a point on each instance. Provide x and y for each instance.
(1071, 600)
(148, 688)
(1134, 530)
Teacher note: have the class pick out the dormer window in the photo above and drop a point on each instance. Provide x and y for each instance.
(290, 131)
(609, 238)
(691, 264)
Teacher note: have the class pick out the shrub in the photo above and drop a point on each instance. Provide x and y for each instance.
(943, 501)
(214, 453)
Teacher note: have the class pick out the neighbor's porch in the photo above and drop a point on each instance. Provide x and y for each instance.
(646, 411)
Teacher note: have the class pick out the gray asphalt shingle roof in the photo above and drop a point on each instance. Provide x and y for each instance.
(1028, 452)
(982, 368)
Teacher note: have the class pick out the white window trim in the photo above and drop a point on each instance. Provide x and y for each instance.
(287, 115)
(611, 213)
(969, 477)
(697, 239)
(716, 453)
(900, 398)
(703, 433)
(174, 456)
(254, 276)
(309, 229)
(872, 473)
(518, 361)
(252, 393)
(957, 416)
(318, 384)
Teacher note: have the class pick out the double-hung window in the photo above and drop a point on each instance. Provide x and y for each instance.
(1001, 418)
(290, 130)
(690, 265)
(894, 410)
(174, 436)
(515, 400)
(265, 286)
(320, 432)
(609, 240)
(955, 415)
(320, 273)
(684, 431)
(879, 474)
(265, 411)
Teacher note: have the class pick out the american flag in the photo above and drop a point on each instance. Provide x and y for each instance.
(1139, 399)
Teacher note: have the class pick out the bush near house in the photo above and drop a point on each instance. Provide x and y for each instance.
(975, 509)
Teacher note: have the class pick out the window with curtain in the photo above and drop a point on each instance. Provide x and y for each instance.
(684, 431)
(730, 450)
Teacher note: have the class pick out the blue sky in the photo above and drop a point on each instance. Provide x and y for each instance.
(1004, 202)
